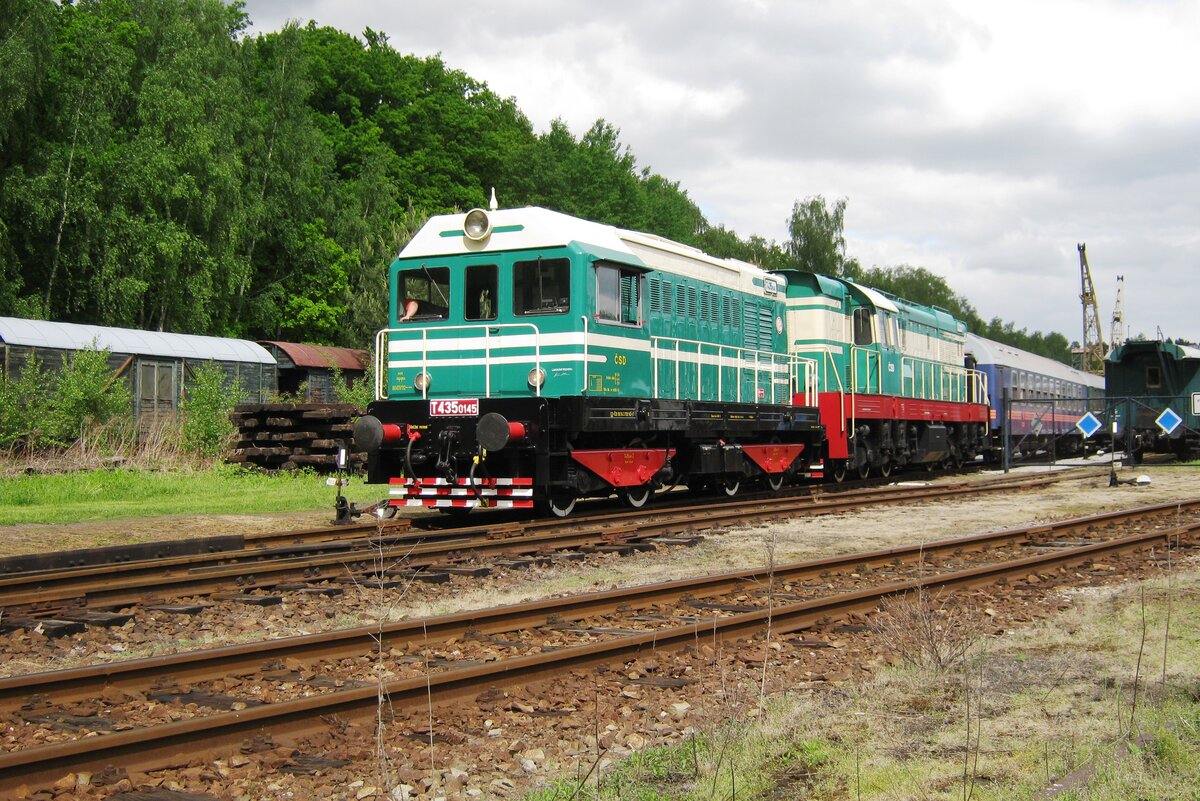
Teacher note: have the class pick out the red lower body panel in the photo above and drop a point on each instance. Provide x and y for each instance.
(840, 412)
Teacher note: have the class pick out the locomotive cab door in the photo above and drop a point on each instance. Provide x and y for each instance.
(889, 353)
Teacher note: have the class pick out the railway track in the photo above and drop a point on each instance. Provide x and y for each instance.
(69, 596)
(950, 564)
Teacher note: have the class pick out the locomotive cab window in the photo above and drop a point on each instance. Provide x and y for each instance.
(480, 290)
(541, 286)
(618, 295)
(1153, 377)
(863, 334)
(423, 293)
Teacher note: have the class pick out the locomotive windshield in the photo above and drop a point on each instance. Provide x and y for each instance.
(480, 301)
(423, 293)
(541, 286)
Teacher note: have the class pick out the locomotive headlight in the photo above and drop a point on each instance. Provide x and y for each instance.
(537, 377)
(476, 225)
(421, 382)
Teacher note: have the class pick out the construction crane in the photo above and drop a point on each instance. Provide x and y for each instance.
(1092, 351)
(1116, 334)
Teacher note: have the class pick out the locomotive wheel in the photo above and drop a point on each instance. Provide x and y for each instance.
(885, 469)
(560, 505)
(839, 471)
(730, 486)
(864, 469)
(634, 497)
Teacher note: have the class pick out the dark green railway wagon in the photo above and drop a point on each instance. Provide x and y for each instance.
(155, 365)
(1154, 394)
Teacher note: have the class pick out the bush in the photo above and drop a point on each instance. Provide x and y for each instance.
(360, 392)
(24, 404)
(38, 409)
(207, 402)
(86, 395)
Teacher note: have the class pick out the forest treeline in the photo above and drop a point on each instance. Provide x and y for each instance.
(161, 168)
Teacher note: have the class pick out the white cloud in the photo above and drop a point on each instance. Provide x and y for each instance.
(979, 140)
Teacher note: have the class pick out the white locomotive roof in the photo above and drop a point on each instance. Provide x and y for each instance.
(534, 227)
(74, 336)
(876, 297)
(987, 351)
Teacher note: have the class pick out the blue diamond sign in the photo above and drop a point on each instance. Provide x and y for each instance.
(1168, 421)
(1088, 425)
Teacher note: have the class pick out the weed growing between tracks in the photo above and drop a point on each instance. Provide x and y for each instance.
(1012, 716)
(384, 596)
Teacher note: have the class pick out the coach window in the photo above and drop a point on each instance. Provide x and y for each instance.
(862, 327)
(423, 293)
(480, 291)
(618, 295)
(541, 286)
(1153, 377)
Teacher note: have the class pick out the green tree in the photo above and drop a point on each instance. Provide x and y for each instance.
(816, 242)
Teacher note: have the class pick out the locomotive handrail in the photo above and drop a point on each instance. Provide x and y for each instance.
(919, 378)
(871, 356)
(739, 359)
(383, 352)
(584, 370)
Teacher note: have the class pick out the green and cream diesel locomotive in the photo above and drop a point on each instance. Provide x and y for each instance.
(534, 358)
(895, 386)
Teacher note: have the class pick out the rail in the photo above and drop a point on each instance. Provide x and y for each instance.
(156, 747)
(928, 380)
(384, 342)
(800, 374)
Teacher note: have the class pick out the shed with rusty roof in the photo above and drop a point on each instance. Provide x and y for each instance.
(308, 372)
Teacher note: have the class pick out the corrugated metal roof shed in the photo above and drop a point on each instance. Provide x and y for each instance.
(73, 336)
(322, 356)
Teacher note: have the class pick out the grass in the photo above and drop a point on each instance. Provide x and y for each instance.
(1041, 702)
(110, 494)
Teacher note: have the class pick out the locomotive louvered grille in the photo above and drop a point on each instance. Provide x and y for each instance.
(655, 295)
(629, 297)
(757, 327)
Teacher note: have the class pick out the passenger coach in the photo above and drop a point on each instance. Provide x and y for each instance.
(532, 356)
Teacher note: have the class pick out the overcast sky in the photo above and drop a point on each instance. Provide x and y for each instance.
(979, 140)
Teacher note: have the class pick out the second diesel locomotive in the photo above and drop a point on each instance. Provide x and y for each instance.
(537, 358)
(893, 387)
